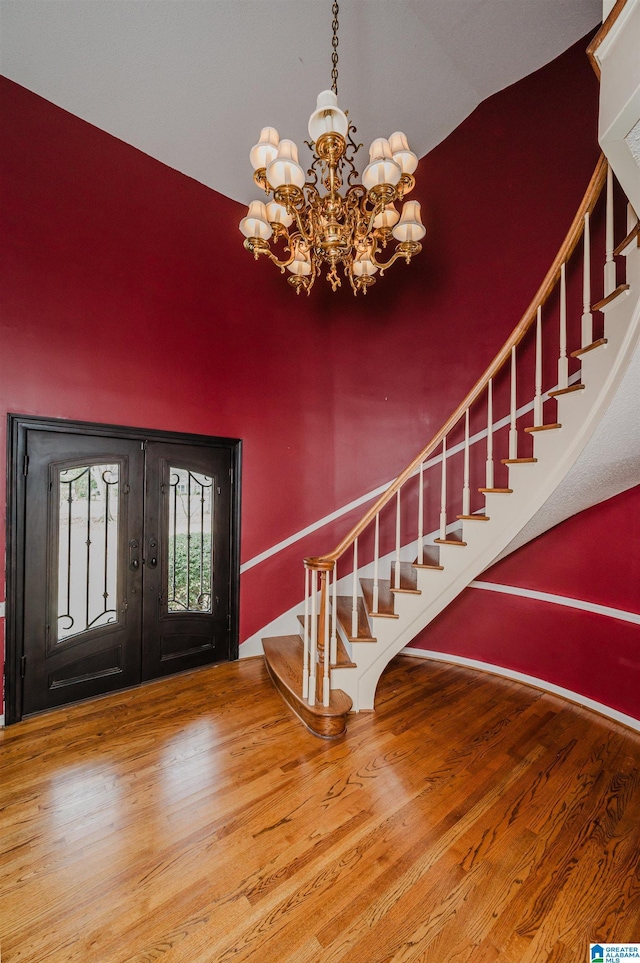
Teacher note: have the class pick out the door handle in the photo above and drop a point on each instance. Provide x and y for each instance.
(153, 552)
(134, 554)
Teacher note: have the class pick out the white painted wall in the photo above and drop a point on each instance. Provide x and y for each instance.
(619, 59)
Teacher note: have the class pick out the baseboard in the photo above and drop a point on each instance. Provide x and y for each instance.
(531, 680)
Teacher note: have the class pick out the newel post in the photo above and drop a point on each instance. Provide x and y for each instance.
(319, 649)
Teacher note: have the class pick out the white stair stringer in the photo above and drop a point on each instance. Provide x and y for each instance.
(556, 450)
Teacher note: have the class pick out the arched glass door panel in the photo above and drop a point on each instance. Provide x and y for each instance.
(87, 548)
(190, 545)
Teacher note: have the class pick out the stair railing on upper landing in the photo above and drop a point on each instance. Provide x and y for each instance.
(527, 358)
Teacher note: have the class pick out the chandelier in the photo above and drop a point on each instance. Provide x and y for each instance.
(313, 222)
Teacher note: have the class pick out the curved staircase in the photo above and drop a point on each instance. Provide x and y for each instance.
(395, 571)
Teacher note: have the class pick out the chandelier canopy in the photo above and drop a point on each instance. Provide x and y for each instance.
(313, 221)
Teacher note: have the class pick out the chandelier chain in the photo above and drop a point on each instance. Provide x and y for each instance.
(334, 44)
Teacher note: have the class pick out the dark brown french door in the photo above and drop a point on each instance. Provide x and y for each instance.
(123, 562)
(187, 562)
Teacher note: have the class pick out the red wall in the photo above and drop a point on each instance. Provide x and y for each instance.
(594, 557)
(128, 298)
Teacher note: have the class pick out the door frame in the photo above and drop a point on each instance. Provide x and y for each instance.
(17, 428)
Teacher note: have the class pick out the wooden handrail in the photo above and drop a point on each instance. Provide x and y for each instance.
(323, 562)
(614, 13)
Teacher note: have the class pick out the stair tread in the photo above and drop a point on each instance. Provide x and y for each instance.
(473, 518)
(633, 235)
(589, 347)
(385, 598)
(283, 658)
(551, 427)
(344, 662)
(566, 391)
(599, 305)
(345, 605)
(518, 461)
(496, 491)
(452, 538)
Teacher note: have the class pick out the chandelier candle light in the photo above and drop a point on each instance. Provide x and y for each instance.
(333, 228)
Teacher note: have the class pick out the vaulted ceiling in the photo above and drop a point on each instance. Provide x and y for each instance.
(191, 82)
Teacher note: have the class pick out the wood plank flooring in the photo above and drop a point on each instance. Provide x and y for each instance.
(195, 820)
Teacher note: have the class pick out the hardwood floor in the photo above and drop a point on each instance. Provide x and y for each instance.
(196, 820)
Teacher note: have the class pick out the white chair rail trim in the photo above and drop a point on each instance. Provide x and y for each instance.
(571, 603)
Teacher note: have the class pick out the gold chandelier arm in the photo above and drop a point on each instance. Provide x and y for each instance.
(356, 195)
(405, 250)
(377, 207)
(310, 203)
(257, 246)
(361, 220)
(301, 231)
(281, 264)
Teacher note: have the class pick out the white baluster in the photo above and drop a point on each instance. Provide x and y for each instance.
(396, 572)
(421, 515)
(489, 467)
(563, 361)
(324, 601)
(610, 264)
(376, 557)
(334, 616)
(443, 492)
(305, 638)
(537, 401)
(513, 431)
(466, 491)
(587, 317)
(313, 649)
(354, 603)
